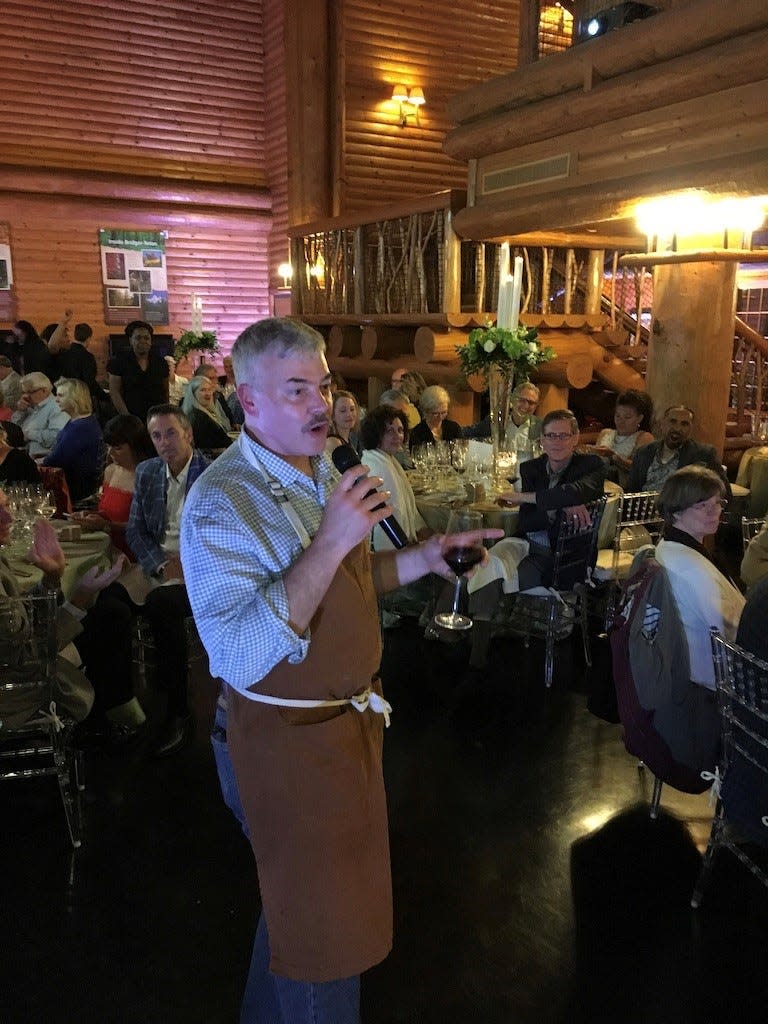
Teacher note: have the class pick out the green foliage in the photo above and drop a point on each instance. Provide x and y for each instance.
(191, 341)
(517, 352)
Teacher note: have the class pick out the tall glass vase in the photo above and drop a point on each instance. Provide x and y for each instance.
(500, 382)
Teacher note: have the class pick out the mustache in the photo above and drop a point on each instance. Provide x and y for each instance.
(321, 420)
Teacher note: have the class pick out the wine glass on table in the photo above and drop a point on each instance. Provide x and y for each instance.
(460, 557)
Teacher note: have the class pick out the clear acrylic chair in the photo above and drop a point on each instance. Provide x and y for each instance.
(553, 611)
(638, 522)
(42, 745)
(750, 529)
(741, 778)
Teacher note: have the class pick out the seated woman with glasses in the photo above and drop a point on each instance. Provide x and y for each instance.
(559, 483)
(691, 501)
(435, 426)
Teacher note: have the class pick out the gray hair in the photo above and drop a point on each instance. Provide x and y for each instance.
(525, 385)
(277, 334)
(33, 381)
(394, 398)
(433, 396)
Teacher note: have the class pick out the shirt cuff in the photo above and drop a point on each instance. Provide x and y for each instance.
(74, 611)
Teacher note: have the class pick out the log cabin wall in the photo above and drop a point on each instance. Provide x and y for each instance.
(148, 116)
(276, 135)
(417, 44)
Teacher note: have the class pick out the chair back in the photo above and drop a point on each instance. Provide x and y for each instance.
(35, 739)
(742, 689)
(750, 529)
(576, 548)
(636, 510)
(27, 646)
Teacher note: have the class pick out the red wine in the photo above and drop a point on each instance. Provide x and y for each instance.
(462, 559)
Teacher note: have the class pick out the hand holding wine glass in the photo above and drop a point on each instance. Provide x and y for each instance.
(461, 557)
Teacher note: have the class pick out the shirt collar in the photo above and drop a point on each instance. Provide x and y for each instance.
(323, 470)
(182, 477)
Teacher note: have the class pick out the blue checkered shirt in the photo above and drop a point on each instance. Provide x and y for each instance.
(236, 544)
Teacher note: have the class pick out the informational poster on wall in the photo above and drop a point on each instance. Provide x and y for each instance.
(134, 274)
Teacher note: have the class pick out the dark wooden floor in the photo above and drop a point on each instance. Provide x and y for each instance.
(530, 884)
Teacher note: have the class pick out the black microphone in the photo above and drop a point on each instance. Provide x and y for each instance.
(344, 458)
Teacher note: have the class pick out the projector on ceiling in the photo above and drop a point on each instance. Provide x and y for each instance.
(599, 23)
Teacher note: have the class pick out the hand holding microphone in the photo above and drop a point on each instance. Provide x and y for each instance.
(344, 458)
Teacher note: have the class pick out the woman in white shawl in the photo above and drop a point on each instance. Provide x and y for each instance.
(207, 429)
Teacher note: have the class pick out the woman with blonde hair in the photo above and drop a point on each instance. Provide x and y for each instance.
(79, 448)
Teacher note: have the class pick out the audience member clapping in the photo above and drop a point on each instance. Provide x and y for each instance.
(79, 448)
(38, 414)
(98, 637)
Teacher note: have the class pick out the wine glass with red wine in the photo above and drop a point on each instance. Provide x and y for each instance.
(461, 558)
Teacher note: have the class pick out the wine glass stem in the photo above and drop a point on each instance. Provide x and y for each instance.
(456, 595)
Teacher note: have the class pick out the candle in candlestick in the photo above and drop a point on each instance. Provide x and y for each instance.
(517, 285)
(197, 313)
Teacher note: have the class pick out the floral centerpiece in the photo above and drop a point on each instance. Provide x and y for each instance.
(195, 341)
(515, 353)
(506, 357)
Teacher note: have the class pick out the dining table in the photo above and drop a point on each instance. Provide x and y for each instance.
(87, 550)
(435, 505)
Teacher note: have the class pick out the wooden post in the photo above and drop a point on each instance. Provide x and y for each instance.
(691, 347)
(528, 38)
(594, 289)
(551, 397)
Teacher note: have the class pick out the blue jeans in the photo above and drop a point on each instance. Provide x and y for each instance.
(271, 999)
(226, 772)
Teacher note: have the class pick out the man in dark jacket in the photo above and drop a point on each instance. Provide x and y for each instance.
(653, 463)
(560, 482)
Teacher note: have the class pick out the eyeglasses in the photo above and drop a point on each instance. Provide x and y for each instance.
(557, 437)
(707, 503)
(33, 391)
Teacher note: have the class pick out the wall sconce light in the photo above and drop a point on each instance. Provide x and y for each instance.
(409, 102)
(285, 270)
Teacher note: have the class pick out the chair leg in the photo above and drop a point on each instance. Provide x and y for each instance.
(656, 797)
(708, 862)
(549, 653)
(71, 807)
(584, 620)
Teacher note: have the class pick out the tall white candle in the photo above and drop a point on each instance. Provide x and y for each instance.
(517, 285)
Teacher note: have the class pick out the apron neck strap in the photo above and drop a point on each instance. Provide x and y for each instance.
(277, 490)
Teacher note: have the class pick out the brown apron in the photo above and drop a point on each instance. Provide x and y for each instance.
(312, 788)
